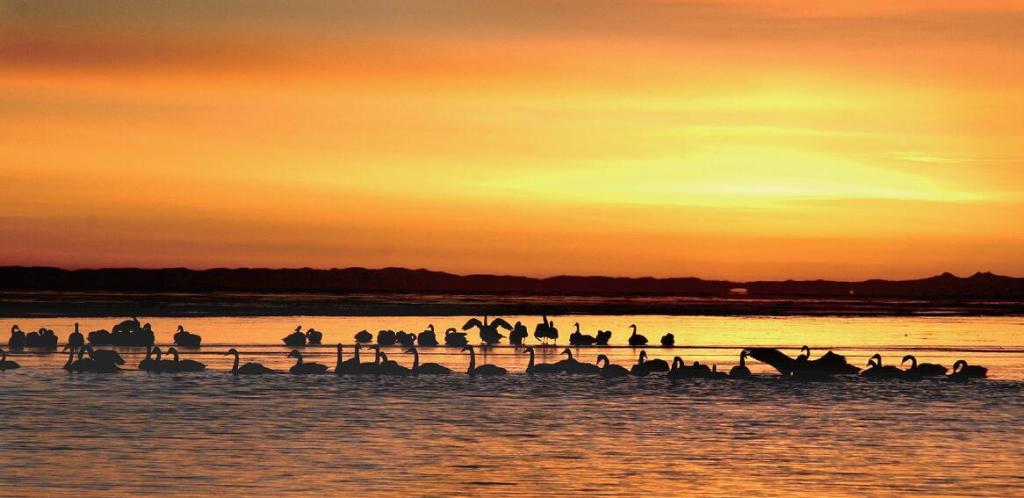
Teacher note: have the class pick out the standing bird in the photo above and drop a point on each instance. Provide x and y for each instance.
(486, 370)
(179, 365)
(518, 334)
(636, 339)
(668, 340)
(546, 330)
(610, 370)
(426, 368)
(314, 337)
(488, 330)
(427, 337)
(923, 369)
(453, 337)
(76, 339)
(741, 371)
(580, 339)
(296, 339)
(301, 368)
(250, 368)
(541, 368)
(7, 365)
(187, 339)
(364, 337)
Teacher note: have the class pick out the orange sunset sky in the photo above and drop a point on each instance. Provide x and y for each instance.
(719, 138)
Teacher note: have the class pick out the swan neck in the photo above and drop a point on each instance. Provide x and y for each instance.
(234, 369)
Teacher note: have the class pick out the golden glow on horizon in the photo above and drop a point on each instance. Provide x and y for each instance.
(729, 139)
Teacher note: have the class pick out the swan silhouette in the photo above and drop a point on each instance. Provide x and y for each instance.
(579, 339)
(636, 339)
(391, 367)
(76, 339)
(187, 339)
(99, 361)
(546, 330)
(923, 369)
(610, 370)
(69, 365)
(405, 339)
(386, 338)
(455, 338)
(5, 364)
(346, 367)
(668, 340)
(518, 334)
(296, 339)
(314, 337)
(426, 368)
(488, 330)
(741, 371)
(963, 371)
(364, 337)
(829, 364)
(179, 365)
(17, 341)
(877, 371)
(540, 368)
(603, 336)
(250, 368)
(149, 364)
(643, 367)
(427, 337)
(358, 367)
(485, 370)
(301, 368)
(573, 366)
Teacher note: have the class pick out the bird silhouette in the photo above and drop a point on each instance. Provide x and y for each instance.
(877, 371)
(610, 370)
(5, 364)
(923, 369)
(741, 371)
(364, 337)
(301, 368)
(580, 339)
(314, 337)
(636, 339)
(180, 365)
(518, 334)
(668, 340)
(573, 366)
(644, 366)
(386, 338)
(346, 367)
(603, 336)
(17, 341)
(455, 338)
(76, 339)
(546, 330)
(540, 368)
(148, 364)
(391, 367)
(427, 337)
(250, 368)
(484, 370)
(488, 330)
(963, 371)
(426, 368)
(187, 339)
(406, 339)
(296, 339)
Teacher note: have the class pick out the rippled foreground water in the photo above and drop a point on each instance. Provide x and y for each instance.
(209, 433)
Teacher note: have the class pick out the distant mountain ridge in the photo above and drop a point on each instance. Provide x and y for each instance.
(980, 285)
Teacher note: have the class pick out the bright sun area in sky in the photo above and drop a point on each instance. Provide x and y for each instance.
(720, 139)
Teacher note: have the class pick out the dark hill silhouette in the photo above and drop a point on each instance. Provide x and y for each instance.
(945, 286)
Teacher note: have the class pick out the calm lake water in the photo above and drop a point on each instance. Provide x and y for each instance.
(209, 433)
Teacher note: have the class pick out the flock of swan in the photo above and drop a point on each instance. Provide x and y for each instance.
(84, 355)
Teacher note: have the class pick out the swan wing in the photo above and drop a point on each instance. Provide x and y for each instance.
(473, 322)
(777, 359)
(500, 322)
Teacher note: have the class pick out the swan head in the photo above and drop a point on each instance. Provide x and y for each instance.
(294, 354)
(959, 365)
(878, 358)
(567, 351)
(911, 359)
(643, 355)
(744, 354)
(181, 328)
(339, 347)
(232, 351)
(411, 350)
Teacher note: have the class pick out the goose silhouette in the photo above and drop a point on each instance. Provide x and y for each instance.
(179, 365)
(6, 364)
(427, 337)
(488, 330)
(187, 339)
(580, 339)
(741, 371)
(484, 370)
(610, 370)
(636, 339)
(540, 368)
(364, 337)
(301, 368)
(250, 368)
(923, 369)
(426, 368)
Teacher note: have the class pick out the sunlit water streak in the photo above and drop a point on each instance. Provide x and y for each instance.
(209, 433)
